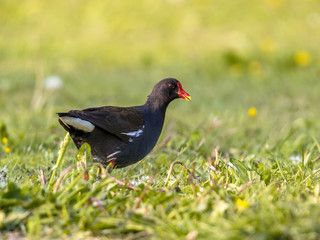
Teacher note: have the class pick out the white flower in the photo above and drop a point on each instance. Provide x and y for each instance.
(53, 82)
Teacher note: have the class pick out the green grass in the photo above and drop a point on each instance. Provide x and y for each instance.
(230, 56)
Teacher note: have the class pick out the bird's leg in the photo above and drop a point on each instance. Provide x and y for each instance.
(99, 171)
(110, 166)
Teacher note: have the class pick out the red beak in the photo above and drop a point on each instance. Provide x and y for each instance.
(183, 94)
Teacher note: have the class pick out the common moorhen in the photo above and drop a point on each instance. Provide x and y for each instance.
(120, 136)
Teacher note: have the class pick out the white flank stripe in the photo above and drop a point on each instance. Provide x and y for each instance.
(135, 133)
(78, 123)
(112, 154)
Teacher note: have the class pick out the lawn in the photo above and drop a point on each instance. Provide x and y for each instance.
(241, 161)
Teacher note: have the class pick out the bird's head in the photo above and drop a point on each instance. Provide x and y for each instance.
(169, 89)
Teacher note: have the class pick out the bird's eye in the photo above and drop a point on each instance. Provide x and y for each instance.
(171, 86)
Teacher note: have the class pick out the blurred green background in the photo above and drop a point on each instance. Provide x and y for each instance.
(229, 55)
(252, 69)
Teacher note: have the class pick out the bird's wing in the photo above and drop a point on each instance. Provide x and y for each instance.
(120, 121)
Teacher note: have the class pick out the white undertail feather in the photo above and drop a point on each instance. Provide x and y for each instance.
(134, 133)
(112, 154)
(78, 123)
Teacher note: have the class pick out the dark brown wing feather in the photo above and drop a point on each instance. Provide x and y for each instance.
(116, 120)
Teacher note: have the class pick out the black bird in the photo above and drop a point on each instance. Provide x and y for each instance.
(121, 136)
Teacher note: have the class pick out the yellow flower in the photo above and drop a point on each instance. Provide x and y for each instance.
(252, 112)
(4, 140)
(267, 46)
(7, 150)
(302, 58)
(242, 204)
(255, 68)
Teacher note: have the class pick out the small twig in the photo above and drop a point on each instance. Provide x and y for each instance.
(98, 203)
(216, 152)
(57, 184)
(316, 171)
(126, 180)
(103, 172)
(193, 171)
(205, 194)
(182, 164)
(213, 182)
(62, 150)
(244, 187)
(190, 179)
(170, 170)
(43, 178)
(316, 159)
(203, 140)
(37, 98)
(144, 191)
(85, 175)
(164, 142)
(123, 183)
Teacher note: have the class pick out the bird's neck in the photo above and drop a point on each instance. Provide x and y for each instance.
(155, 105)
